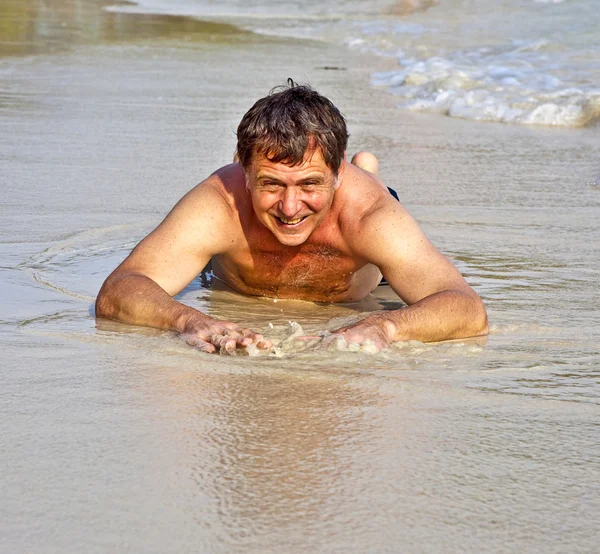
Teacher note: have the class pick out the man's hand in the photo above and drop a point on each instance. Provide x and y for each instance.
(209, 335)
(374, 330)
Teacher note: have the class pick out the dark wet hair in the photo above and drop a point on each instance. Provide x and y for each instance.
(289, 121)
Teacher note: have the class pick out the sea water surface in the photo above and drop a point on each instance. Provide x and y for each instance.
(119, 438)
(516, 61)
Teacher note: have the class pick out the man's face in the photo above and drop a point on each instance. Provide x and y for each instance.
(292, 201)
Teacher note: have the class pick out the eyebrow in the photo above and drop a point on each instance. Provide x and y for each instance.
(267, 177)
(318, 179)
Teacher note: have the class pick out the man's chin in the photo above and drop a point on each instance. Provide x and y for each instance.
(291, 239)
(291, 236)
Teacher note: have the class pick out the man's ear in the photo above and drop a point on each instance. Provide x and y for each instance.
(340, 173)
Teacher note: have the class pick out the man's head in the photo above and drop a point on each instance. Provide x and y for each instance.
(291, 121)
(292, 145)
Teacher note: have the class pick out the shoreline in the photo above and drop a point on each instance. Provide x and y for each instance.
(28, 30)
(224, 68)
(210, 73)
(478, 99)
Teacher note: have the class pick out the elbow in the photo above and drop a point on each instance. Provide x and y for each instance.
(102, 307)
(480, 319)
(474, 315)
(105, 306)
(483, 329)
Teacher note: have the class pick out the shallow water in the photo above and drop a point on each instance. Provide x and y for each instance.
(531, 62)
(122, 438)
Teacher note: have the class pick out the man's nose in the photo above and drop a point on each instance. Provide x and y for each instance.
(290, 202)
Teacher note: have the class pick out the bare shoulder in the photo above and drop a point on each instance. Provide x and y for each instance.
(384, 233)
(216, 192)
(204, 223)
(366, 201)
(210, 210)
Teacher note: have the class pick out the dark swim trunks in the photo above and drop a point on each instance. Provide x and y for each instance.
(395, 195)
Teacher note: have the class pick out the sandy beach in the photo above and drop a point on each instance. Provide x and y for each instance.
(125, 439)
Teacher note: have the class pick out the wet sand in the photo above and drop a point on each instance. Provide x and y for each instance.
(124, 439)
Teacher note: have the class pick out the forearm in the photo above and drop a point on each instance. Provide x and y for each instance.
(138, 300)
(451, 314)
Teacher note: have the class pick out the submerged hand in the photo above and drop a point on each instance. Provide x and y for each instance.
(374, 330)
(208, 335)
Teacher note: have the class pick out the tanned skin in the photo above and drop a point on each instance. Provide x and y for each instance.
(299, 232)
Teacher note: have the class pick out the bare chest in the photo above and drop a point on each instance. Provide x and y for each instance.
(317, 273)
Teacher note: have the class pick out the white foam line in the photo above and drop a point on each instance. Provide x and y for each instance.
(141, 9)
(39, 279)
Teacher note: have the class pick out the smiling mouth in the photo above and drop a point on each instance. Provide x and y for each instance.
(291, 222)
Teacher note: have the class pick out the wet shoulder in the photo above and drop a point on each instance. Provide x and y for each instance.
(224, 188)
(361, 195)
(229, 180)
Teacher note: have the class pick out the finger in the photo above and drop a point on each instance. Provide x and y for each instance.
(224, 342)
(250, 333)
(256, 338)
(197, 342)
(244, 337)
(217, 339)
(245, 341)
(252, 337)
(232, 338)
(207, 347)
(229, 345)
(264, 344)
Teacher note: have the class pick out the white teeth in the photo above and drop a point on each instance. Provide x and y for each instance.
(291, 221)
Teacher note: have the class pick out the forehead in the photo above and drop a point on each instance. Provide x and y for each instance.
(312, 162)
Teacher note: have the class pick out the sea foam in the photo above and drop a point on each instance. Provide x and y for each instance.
(516, 83)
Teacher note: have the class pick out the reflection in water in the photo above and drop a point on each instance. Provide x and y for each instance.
(41, 27)
(265, 457)
(278, 449)
(284, 458)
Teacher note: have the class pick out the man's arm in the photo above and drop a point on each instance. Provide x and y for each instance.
(140, 290)
(441, 305)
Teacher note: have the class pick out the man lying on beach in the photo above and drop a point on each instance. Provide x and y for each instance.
(291, 218)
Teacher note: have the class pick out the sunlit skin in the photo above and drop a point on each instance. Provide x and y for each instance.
(305, 232)
(292, 201)
(291, 221)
